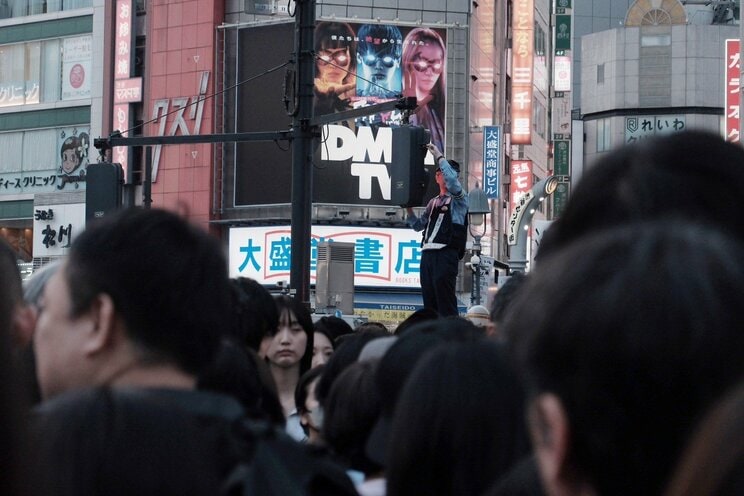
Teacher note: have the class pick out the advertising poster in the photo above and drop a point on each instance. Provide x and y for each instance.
(357, 65)
(74, 146)
(76, 67)
(733, 91)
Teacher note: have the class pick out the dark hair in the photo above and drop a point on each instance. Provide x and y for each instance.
(637, 331)
(420, 315)
(713, 463)
(505, 295)
(332, 327)
(11, 417)
(303, 384)
(694, 175)
(350, 412)
(167, 279)
(459, 423)
(347, 352)
(235, 372)
(332, 35)
(286, 303)
(255, 313)
(106, 441)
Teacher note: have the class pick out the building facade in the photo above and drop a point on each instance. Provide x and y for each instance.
(51, 58)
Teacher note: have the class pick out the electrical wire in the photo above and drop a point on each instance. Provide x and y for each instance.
(207, 97)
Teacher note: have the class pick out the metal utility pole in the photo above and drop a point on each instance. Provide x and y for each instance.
(302, 152)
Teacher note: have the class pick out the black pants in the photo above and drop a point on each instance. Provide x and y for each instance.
(438, 278)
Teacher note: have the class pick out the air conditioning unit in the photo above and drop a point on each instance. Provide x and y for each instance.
(334, 285)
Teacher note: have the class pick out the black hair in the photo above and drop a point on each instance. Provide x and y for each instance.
(505, 295)
(167, 279)
(637, 331)
(301, 392)
(695, 175)
(256, 315)
(235, 372)
(350, 413)
(332, 327)
(347, 352)
(420, 315)
(286, 303)
(459, 423)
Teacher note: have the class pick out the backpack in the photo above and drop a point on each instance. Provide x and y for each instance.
(275, 464)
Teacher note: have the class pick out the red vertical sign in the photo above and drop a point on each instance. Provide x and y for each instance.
(523, 42)
(521, 181)
(733, 92)
(122, 62)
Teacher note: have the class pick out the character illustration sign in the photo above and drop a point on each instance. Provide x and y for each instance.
(74, 146)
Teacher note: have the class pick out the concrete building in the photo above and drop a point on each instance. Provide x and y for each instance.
(661, 72)
(51, 59)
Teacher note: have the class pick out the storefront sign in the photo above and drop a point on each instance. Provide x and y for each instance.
(76, 67)
(733, 90)
(55, 227)
(563, 32)
(126, 90)
(383, 257)
(522, 61)
(562, 73)
(637, 128)
(491, 161)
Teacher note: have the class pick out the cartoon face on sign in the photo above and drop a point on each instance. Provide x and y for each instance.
(74, 152)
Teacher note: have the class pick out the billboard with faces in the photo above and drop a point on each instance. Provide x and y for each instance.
(356, 65)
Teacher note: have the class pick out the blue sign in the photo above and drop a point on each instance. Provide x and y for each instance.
(491, 160)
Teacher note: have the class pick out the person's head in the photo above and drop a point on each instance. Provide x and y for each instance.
(503, 298)
(140, 290)
(713, 462)
(397, 364)
(459, 423)
(70, 154)
(255, 313)
(311, 414)
(424, 64)
(335, 51)
(378, 56)
(625, 338)
(322, 347)
(348, 348)
(235, 372)
(291, 346)
(115, 442)
(350, 412)
(693, 174)
(333, 326)
(420, 315)
(439, 176)
(16, 318)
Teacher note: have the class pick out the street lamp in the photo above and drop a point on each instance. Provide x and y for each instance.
(478, 208)
(521, 218)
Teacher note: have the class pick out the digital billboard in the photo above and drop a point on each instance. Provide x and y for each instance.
(357, 65)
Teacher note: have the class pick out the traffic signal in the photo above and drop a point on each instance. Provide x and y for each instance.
(103, 190)
(409, 177)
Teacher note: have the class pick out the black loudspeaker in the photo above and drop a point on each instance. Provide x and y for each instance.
(103, 189)
(408, 176)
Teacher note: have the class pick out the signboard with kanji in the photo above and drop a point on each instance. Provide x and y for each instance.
(563, 32)
(640, 127)
(491, 161)
(523, 20)
(733, 91)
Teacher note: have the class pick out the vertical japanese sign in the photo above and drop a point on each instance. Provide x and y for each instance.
(491, 160)
(562, 73)
(76, 67)
(732, 88)
(563, 32)
(122, 68)
(521, 181)
(522, 53)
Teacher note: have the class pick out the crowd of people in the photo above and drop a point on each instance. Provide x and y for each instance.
(615, 366)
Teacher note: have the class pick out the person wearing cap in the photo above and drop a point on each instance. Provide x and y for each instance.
(443, 223)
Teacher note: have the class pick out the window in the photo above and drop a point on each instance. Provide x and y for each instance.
(603, 135)
(600, 74)
(539, 118)
(540, 41)
(45, 71)
(22, 8)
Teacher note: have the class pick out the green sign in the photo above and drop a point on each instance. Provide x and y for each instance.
(563, 32)
(560, 198)
(563, 4)
(561, 157)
